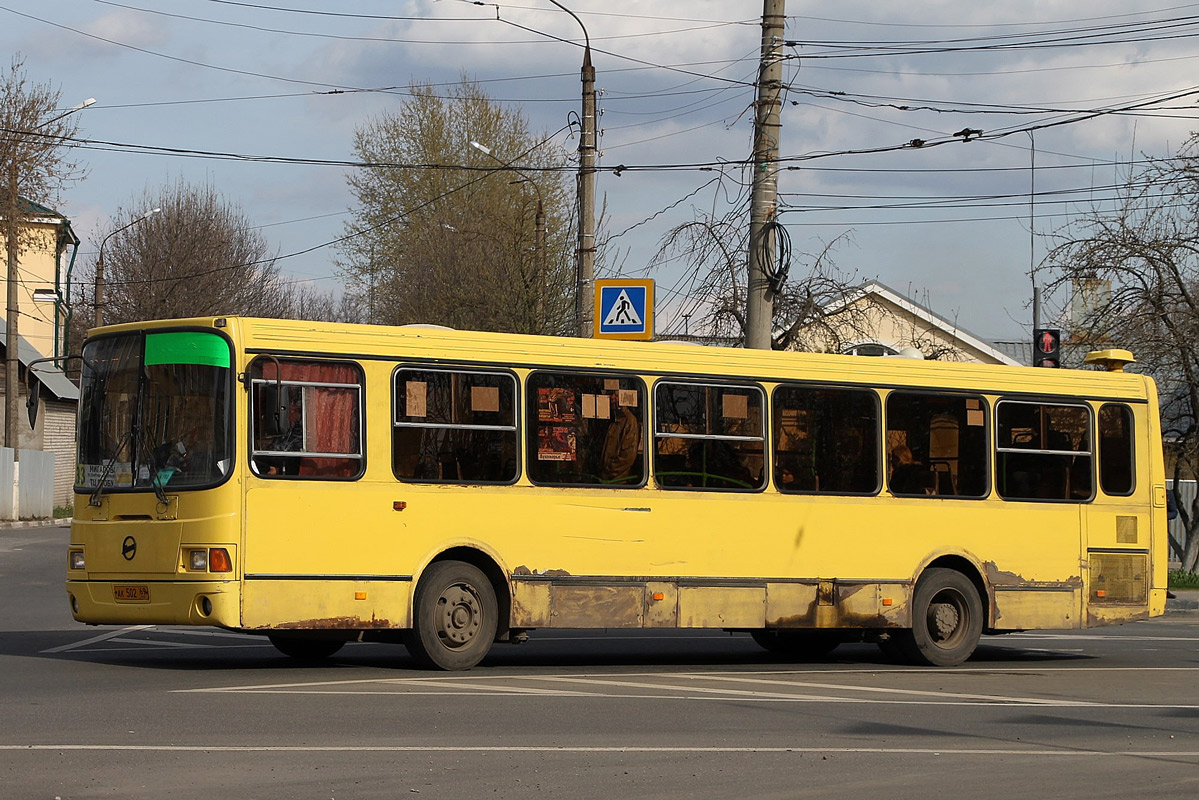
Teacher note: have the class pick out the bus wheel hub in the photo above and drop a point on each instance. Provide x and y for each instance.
(460, 615)
(945, 620)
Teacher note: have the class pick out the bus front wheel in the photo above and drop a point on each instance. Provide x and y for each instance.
(947, 619)
(454, 617)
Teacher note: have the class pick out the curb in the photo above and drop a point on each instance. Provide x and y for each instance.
(1180, 605)
(33, 523)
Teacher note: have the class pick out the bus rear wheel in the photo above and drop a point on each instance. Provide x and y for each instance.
(305, 648)
(947, 619)
(796, 644)
(454, 618)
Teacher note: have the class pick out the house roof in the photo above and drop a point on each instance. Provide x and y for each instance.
(36, 212)
(50, 376)
(950, 329)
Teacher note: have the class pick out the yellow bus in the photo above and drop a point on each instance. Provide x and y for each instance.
(322, 483)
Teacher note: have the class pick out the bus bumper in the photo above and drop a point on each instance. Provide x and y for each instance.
(132, 602)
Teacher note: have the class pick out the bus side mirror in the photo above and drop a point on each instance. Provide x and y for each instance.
(31, 404)
(274, 404)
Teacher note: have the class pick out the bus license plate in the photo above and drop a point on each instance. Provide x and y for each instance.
(137, 593)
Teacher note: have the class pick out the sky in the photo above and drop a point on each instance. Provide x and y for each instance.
(253, 97)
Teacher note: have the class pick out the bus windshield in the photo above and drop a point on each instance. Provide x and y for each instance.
(155, 411)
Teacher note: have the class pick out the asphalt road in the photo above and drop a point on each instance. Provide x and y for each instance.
(193, 713)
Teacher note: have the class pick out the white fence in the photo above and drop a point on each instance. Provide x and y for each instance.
(32, 480)
(1187, 491)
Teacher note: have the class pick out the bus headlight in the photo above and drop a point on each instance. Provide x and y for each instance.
(214, 560)
(76, 560)
(198, 560)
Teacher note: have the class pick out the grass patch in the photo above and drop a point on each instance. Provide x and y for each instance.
(63, 512)
(1180, 579)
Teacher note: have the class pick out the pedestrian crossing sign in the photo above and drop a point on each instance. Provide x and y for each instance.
(624, 309)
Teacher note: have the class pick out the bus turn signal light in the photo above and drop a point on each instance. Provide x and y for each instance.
(219, 561)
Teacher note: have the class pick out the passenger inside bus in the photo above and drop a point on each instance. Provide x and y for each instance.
(621, 442)
(909, 476)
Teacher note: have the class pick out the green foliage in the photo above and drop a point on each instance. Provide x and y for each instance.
(64, 512)
(444, 233)
(1181, 579)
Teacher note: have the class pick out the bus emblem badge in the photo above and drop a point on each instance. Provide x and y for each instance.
(129, 548)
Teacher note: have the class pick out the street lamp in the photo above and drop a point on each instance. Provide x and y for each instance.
(1032, 232)
(538, 225)
(586, 257)
(100, 264)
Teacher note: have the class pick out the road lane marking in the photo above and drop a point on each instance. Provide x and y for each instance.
(502, 686)
(624, 749)
(1000, 699)
(101, 638)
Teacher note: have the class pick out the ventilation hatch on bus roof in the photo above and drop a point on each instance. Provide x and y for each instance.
(1111, 360)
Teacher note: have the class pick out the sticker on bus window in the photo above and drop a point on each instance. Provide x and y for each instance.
(627, 398)
(554, 404)
(611, 384)
(736, 406)
(485, 398)
(556, 443)
(415, 393)
(597, 406)
(974, 418)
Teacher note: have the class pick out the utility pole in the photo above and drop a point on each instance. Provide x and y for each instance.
(587, 153)
(759, 302)
(585, 270)
(12, 341)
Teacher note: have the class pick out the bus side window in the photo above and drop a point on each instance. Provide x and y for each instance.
(1116, 467)
(1043, 451)
(454, 426)
(709, 437)
(826, 440)
(936, 445)
(322, 434)
(585, 430)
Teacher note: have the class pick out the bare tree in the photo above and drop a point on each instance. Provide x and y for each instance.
(304, 301)
(457, 246)
(715, 248)
(198, 256)
(1138, 265)
(35, 166)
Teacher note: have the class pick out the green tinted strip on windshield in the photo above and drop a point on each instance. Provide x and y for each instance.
(186, 347)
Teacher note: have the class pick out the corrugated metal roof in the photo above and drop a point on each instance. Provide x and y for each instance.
(53, 378)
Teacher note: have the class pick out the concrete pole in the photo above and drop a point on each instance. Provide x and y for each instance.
(12, 381)
(99, 295)
(539, 262)
(759, 304)
(584, 300)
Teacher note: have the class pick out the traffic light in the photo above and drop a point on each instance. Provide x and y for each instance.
(1046, 347)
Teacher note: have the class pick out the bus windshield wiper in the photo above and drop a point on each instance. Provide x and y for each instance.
(98, 492)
